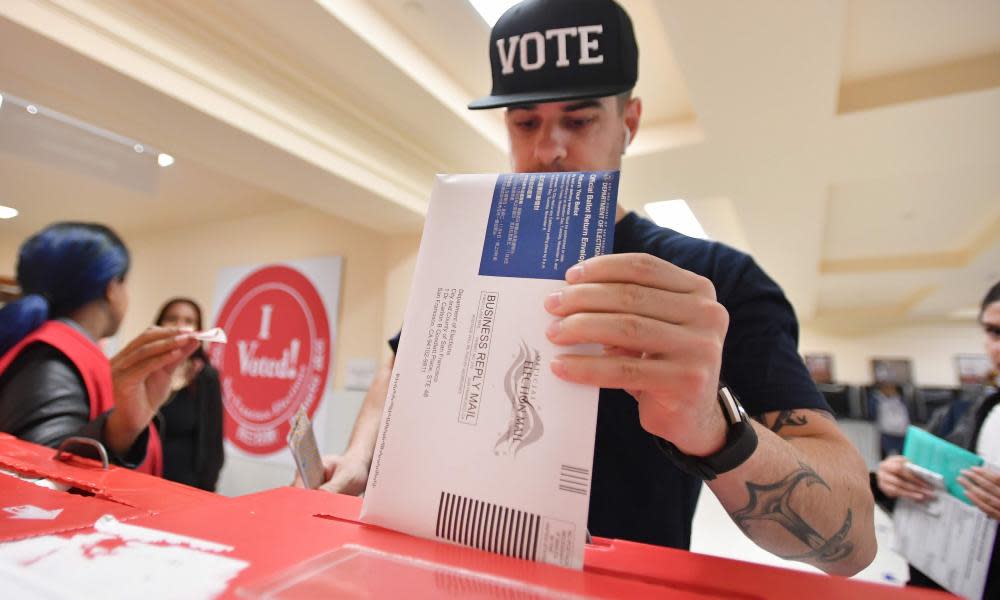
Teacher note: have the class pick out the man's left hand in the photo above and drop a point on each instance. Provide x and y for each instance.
(982, 486)
(663, 333)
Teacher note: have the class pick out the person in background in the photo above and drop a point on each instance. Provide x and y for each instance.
(891, 416)
(191, 420)
(976, 429)
(55, 382)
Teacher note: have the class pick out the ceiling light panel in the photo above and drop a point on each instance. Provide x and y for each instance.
(34, 132)
(492, 10)
(676, 215)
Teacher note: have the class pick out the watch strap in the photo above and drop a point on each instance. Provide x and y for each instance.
(741, 442)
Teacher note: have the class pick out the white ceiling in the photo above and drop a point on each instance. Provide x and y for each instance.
(852, 146)
(951, 208)
(186, 194)
(883, 37)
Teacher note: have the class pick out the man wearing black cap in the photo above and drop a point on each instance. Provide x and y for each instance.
(693, 330)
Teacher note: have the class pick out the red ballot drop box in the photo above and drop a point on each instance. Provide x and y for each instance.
(176, 541)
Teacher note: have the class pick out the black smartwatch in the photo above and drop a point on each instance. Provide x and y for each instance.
(741, 442)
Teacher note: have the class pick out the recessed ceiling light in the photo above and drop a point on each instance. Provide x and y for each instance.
(677, 215)
(138, 148)
(492, 10)
(164, 159)
(31, 109)
(967, 313)
(7, 212)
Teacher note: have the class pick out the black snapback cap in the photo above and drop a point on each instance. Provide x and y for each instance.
(560, 50)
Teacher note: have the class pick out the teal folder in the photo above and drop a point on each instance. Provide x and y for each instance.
(941, 456)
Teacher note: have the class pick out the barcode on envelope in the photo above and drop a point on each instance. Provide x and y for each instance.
(488, 526)
(575, 480)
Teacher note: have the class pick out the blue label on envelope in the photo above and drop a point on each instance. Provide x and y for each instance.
(541, 224)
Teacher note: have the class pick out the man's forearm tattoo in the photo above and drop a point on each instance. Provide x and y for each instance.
(791, 418)
(772, 502)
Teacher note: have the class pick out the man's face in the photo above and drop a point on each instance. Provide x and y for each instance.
(991, 326)
(582, 135)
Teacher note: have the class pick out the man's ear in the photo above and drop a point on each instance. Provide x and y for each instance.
(632, 113)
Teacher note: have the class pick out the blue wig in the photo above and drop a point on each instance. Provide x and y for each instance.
(61, 268)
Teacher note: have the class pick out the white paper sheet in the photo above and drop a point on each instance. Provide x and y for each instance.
(214, 335)
(480, 444)
(116, 561)
(39, 481)
(948, 540)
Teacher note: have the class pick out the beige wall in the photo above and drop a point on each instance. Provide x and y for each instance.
(185, 262)
(401, 259)
(8, 253)
(931, 346)
(8, 256)
(378, 270)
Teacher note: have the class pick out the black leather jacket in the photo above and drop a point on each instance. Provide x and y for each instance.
(43, 400)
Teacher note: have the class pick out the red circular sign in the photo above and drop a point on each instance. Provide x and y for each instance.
(276, 359)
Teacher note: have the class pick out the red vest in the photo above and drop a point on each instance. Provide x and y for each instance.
(95, 370)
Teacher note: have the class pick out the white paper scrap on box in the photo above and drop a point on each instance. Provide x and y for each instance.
(116, 561)
(480, 444)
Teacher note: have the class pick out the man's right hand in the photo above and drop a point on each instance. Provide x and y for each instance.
(896, 481)
(341, 475)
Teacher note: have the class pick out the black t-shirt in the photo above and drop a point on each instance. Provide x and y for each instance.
(637, 493)
(179, 432)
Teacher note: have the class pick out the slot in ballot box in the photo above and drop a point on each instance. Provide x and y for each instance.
(297, 543)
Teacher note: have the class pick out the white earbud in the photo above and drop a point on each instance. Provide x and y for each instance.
(628, 136)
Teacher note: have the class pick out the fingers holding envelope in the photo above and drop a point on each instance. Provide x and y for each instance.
(663, 331)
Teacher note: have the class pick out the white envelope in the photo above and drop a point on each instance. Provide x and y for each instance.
(480, 444)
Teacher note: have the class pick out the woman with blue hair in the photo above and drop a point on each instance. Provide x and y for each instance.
(54, 380)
